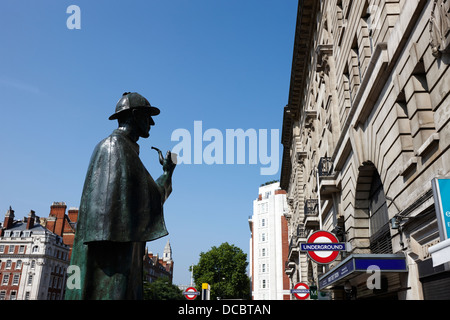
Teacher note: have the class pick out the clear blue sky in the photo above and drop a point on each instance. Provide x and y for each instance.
(225, 63)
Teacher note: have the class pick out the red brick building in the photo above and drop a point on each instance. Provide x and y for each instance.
(156, 267)
(62, 224)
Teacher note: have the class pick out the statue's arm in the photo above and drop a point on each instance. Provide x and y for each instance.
(164, 182)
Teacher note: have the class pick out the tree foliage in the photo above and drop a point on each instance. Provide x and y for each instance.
(224, 269)
(162, 289)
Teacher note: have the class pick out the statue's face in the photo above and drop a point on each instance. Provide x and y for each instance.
(143, 122)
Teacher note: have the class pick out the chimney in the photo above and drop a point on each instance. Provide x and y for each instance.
(58, 211)
(30, 220)
(9, 219)
(73, 214)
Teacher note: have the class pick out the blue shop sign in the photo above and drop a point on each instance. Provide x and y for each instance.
(384, 264)
(359, 263)
(337, 274)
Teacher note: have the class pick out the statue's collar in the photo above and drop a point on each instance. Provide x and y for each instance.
(125, 134)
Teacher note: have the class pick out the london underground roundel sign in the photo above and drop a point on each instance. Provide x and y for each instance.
(301, 291)
(323, 247)
(191, 293)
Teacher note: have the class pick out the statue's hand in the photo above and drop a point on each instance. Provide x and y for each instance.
(170, 162)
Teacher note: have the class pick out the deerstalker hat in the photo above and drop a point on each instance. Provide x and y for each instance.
(133, 100)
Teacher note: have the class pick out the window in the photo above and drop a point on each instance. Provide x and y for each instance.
(21, 249)
(11, 249)
(16, 278)
(2, 248)
(8, 264)
(16, 234)
(27, 295)
(380, 236)
(263, 222)
(263, 207)
(377, 206)
(2, 295)
(35, 249)
(5, 279)
(30, 280)
(33, 264)
(19, 264)
(13, 295)
(264, 268)
(263, 252)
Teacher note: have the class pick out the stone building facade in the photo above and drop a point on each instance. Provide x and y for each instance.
(365, 132)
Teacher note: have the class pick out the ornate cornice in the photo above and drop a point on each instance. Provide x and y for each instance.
(303, 44)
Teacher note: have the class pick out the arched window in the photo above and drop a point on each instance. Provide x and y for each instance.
(371, 203)
(380, 237)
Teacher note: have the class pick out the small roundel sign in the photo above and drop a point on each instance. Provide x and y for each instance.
(301, 291)
(191, 293)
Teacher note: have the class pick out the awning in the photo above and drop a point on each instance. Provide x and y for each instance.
(358, 264)
(440, 252)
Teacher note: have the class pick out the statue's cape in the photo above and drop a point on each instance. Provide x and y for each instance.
(120, 201)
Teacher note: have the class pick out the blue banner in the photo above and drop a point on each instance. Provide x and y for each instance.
(441, 190)
(339, 273)
(382, 264)
(360, 263)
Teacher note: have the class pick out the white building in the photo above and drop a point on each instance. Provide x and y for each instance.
(269, 245)
(33, 260)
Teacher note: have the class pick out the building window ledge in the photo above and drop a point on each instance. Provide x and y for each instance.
(428, 144)
(410, 165)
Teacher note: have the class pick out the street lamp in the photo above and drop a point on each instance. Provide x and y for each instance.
(396, 225)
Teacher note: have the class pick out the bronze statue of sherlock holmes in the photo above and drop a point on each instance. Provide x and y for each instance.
(121, 208)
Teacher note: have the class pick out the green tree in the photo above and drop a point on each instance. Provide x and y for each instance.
(224, 269)
(162, 289)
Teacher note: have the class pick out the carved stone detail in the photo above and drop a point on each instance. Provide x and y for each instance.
(440, 27)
